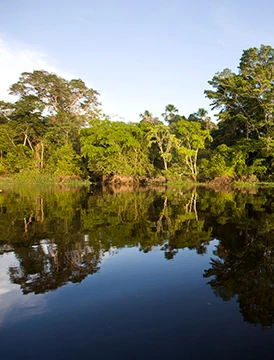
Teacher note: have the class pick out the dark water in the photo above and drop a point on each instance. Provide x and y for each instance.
(159, 274)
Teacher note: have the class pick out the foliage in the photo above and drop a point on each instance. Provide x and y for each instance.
(192, 139)
(245, 103)
(201, 116)
(48, 114)
(64, 161)
(56, 126)
(115, 148)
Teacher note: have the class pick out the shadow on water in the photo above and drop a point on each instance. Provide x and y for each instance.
(62, 236)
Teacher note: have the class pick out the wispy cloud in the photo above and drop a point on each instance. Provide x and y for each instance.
(16, 58)
(81, 20)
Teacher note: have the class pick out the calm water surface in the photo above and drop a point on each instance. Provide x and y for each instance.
(149, 274)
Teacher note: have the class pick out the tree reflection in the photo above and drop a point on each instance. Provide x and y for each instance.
(61, 237)
(244, 261)
(47, 266)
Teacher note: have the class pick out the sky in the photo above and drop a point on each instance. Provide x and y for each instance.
(139, 54)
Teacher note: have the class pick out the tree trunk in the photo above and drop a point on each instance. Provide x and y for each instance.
(165, 163)
(42, 155)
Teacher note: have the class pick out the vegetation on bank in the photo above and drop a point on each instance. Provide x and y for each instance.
(56, 130)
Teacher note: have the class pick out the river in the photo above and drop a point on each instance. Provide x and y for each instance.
(164, 273)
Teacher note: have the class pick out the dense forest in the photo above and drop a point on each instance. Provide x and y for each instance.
(57, 127)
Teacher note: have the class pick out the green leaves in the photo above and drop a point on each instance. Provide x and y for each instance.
(58, 124)
(115, 148)
(54, 93)
(64, 161)
(246, 108)
(46, 120)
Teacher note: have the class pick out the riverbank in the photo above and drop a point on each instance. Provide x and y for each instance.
(221, 184)
(43, 180)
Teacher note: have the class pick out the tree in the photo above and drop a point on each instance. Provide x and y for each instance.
(191, 139)
(246, 104)
(115, 148)
(201, 116)
(246, 99)
(5, 111)
(170, 114)
(65, 104)
(147, 117)
(55, 93)
(64, 162)
(48, 114)
(161, 136)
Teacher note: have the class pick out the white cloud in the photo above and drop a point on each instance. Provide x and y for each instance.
(13, 304)
(16, 58)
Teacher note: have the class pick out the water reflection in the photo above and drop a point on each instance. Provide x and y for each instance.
(62, 236)
(47, 266)
(244, 268)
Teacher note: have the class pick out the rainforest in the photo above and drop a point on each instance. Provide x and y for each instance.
(56, 128)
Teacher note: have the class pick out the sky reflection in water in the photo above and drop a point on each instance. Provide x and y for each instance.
(130, 275)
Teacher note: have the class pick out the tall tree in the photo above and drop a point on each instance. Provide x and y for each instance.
(246, 103)
(147, 117)
(170, 114)
(201, 116)
(55, 93)
(48, 114)
(165, 141)
(191, 139)
(66, 104)
(245, 100)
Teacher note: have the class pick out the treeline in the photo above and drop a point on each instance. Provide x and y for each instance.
(57, 127)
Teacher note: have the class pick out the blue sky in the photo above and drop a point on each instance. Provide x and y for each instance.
(140, 55)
